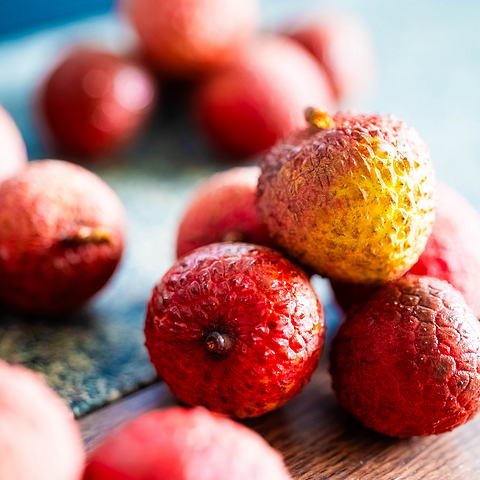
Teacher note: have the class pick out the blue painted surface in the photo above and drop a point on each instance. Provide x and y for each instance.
(20, 16)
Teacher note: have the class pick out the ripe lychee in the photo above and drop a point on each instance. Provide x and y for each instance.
(452, 252)
(260, 98)
(352, 197)
(39, 438)
(234, 327)
(61, 237)
(343, 46)
(406, 362)
(13, 154)
(181, 444)
(95, 102)
(223, 210)
(187, 38)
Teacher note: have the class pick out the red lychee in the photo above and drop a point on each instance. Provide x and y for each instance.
(343, 46)
(181, 444)
(352, 197)
(406, 362)
(223, 210)
(452, 252)
(234, 327)
(13, 154)
(39, 438)
(260, 98)
(187, 38)
(61, 237)
(94, 102)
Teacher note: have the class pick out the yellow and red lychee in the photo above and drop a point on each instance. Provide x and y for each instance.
(186, 38)
(223, 210)
(95, 102)
(352, 197)
(234, 327)
(39, 437)
(180, 444)
(260, 98)
(61, 237)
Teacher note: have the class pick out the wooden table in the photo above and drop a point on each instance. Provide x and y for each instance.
(319, 440)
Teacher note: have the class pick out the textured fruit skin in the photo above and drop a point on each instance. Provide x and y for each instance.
(451, 253)
(260, 98)
(13, 153)
(39, 437)
(94, 102)
(342, 45)
(223, 210)
(261, 302)
(354, 201)
(45, 268)
(187, 38)
(181, 444)
(406, 363)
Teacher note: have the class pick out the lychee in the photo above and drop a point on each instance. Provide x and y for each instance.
(39, 438)
(260, 98)
(181, 444)
(452, 252)
(61, 237)
(234, 327)
(94, 102)
(13, 154)
(187, 38)
(342, 45)
(223, 210)
(352, 197)
(406, 362)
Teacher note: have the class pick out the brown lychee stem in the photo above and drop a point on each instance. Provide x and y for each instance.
(88, 235)
(318, 118)
(233, 236)
(218, 343)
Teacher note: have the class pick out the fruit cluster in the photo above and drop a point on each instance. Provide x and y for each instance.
(234, 326)
(248, 89)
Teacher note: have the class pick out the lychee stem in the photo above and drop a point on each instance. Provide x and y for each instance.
(218, 343)
(233, 236)
(88, 235)
(317, 118)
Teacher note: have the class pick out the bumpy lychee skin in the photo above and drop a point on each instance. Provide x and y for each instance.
(234, 327)
(451, 253)
(39, 437)
(61, 237)
(94, 102)
(260, 98)
(353, 200)
(342, 45)
(223, 210)
(187, 38)
(13, 153)
(181, 444)
(407, 362)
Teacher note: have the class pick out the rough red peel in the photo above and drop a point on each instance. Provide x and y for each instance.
(407, 362)
(234, 327)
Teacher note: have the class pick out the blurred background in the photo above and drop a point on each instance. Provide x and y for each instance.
(426, 71)
(427, 55)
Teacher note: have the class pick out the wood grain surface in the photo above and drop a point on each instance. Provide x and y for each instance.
(319, 440)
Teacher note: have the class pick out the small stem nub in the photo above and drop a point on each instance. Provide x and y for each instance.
(218, 343)
(88, 235)
(318, 118)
